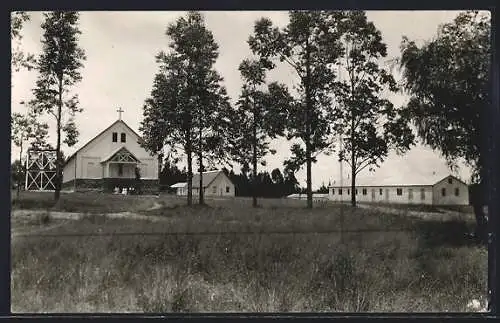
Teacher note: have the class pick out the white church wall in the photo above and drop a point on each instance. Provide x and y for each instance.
(104, 145)
(92, 167)
(69, 171)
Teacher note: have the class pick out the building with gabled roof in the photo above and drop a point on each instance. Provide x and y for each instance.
(109, 161)
(215, 183)
(432, 190)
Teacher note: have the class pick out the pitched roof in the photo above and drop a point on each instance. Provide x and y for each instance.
(411, 179)
(208, 177)
(100, 133)
(116, 151)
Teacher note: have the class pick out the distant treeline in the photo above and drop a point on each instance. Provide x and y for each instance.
(274, 184)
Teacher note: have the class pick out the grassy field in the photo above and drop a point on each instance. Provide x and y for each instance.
(280, 257)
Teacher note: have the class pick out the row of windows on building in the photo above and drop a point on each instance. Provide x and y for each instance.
(399, 192)
(123, 137)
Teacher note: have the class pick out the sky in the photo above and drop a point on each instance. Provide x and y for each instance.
(120, 67)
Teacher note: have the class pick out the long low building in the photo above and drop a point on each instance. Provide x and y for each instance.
(446, 191)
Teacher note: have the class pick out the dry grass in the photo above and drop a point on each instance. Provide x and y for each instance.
(428, 266)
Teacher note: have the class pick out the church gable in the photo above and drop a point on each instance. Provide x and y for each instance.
(118, 135)
(111, 158)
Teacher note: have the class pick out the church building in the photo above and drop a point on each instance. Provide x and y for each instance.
(109, 161)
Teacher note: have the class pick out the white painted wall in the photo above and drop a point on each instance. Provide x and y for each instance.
(424, 194)
(92, 167)
(69, 171)
(103, 145)
(220, 186)
(449, 197)
(383, 194)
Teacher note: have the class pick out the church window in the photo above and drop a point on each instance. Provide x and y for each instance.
(115, 137)
(227, 189)
(457, 192)
(123, 137)
(443, 191)
(364, 191)
(214, 189)
(120, 169)
(450, 180)
(399, 191)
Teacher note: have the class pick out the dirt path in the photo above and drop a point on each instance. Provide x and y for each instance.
(78, 215)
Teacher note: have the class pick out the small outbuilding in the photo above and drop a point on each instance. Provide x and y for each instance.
(215, 183)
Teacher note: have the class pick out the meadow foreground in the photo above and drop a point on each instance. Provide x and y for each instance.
(228, 257)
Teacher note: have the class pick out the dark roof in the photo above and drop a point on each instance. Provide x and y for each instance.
(100, 133)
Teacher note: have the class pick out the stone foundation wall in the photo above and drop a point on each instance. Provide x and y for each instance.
(84, 184)
(149, 186)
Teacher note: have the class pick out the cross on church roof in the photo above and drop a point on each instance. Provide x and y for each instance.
(120, 110)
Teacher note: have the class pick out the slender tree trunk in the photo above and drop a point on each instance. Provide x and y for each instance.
(200, 161)
(353, 167)
(189, 170)
(254, 160)
(308, 133)
(201, 199)
(19, 180)
(57, 192)
(353, 146)
(160, 159)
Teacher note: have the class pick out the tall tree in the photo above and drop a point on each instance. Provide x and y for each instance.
(167, 119)
(27, 129)
(368, 123)
(212, 122)
(58, 68)
(309, 44)
(187, 97)
(259, 117)
(448, 79)
(19, 59)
